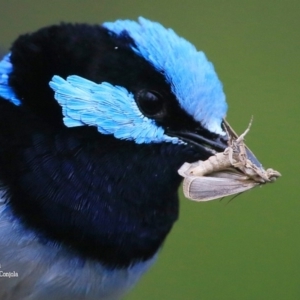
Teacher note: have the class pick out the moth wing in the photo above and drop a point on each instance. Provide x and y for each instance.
(231, 173)
(206, 188)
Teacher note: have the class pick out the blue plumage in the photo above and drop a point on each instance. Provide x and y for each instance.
(5, 90)
(192, 77)
(111, 108)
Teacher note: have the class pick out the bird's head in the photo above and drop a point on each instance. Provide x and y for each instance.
(107, 114)
(139, 82)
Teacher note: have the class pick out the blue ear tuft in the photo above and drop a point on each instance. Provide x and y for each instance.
(192, 77)
(6, 91)
(112, 109)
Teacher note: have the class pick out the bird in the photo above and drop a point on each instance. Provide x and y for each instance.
(95, 121)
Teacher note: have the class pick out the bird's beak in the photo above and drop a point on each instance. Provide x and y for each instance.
(214, 143)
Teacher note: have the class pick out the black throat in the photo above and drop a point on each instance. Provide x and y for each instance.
(111, 200)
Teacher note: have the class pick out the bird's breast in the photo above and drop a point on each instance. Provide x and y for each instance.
(41, 270)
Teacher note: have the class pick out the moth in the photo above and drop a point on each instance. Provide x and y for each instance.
(233, 171)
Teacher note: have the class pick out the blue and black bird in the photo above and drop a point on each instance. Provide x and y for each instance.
(95, 121)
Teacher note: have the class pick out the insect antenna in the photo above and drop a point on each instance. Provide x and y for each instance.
(233, 197)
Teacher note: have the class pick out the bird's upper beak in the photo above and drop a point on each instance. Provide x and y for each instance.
(214, 143)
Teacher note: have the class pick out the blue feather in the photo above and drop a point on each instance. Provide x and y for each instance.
(192, 77)
(112, 109)
(6, 91)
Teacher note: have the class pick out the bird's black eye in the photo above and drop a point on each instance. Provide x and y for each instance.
(150, 103)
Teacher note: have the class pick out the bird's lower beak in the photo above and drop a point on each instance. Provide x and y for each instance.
(214, 143)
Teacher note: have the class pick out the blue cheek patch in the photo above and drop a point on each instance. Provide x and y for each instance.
(192, 77)
(112, 109)
(6, 91)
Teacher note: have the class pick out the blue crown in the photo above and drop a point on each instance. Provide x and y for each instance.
(192, 77)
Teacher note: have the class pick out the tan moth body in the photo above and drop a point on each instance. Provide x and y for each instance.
(223, 174)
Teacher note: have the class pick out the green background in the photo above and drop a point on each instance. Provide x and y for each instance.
(248, 248)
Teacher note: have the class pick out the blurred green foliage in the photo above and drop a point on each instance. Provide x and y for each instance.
(248, 248)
